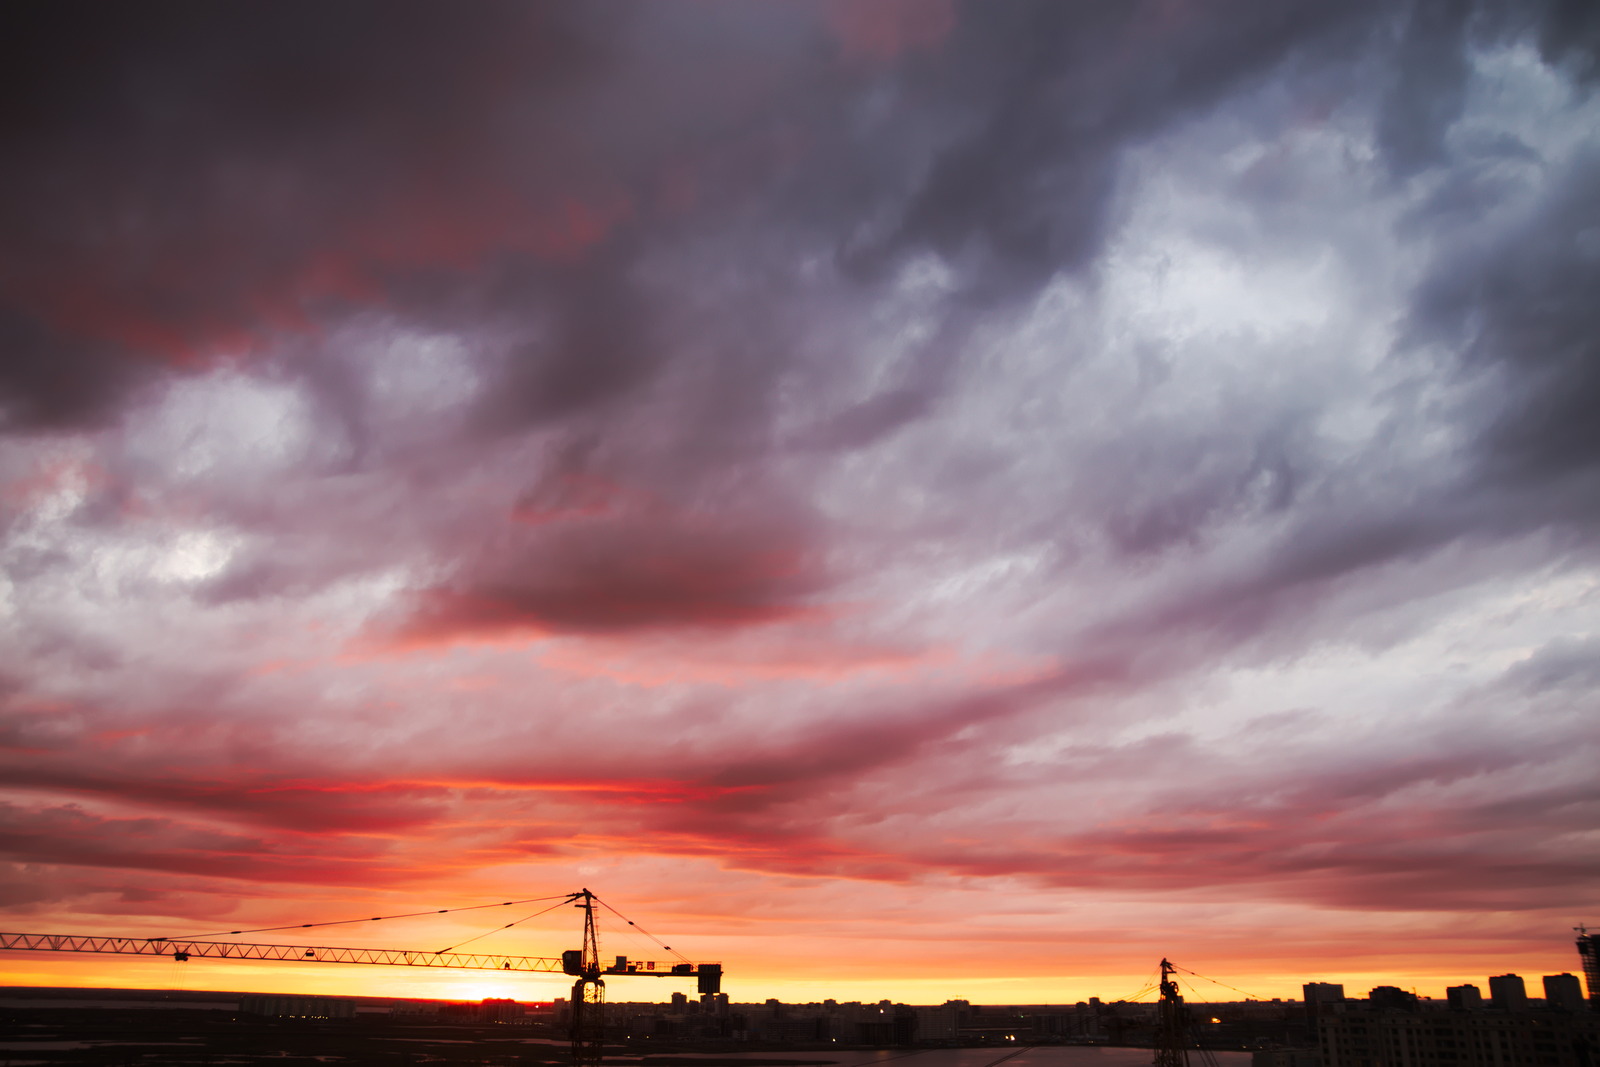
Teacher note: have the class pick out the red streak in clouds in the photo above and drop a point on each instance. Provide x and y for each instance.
(622, 577)
(69, 835)
(881, 30)
(817, 657)
(656, 599)
(295, 170)
(188, 303)
(77, 303)
(50, 476)
(623, 791)
(578, 495)
(463, 226)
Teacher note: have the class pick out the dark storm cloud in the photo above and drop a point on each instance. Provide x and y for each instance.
(192, 180)
(1570, 665)
(180, 188)
(190, 174)
(1507, 311)
(1569, 33)
(67, 835)
(1520, 254)
(1522, 307)
(1430, 80)
(263, 796)
(1041, 100)
(186, 177)
(1428, 71)
(696, 300)
(1384, 833)
(620, 577)
(601, 347)
(271, 786)
(51, 379)
(1512, 304)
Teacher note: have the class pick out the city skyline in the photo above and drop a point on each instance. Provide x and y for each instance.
(690, 1001)
(952, 498)
(1427, 979)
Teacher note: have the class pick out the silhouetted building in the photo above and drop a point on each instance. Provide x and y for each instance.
(1393, 998)
(1589, 953)
(902, 1026)
(1460, 1039)
(1464, 998)
(1320, 998)
(291, 1007)
(940, 1023)
(1563, 992)
(499, 1010)
(1286, 1057)
(1508, 992)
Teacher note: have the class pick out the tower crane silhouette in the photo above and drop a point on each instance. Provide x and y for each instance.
(588, 992)
(1174, 1037)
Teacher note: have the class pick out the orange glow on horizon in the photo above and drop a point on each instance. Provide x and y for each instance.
(791, 981)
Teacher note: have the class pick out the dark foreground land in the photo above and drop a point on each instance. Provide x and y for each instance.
(112, 1035)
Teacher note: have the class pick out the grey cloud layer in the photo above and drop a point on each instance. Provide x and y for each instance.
(401, 329)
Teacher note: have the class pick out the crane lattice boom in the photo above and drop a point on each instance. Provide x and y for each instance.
(394, 957)
(588, 992)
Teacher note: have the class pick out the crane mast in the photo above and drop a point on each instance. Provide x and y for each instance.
(588, 993)
(1170, 1043)
(1175, 1038)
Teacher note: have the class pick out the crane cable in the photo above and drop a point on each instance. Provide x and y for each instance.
(665, 947)
(372, 919)
(507, 926)
(637, 940)
(559, 899)
(1149, 986)
(1213, 981)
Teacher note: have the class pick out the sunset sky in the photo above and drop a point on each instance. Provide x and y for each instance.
(907, 498)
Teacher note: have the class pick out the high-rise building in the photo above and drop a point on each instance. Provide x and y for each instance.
(1459, 1039)
(1392, 998)
(1464, 998)
(1321, 998)
(1563, 992)
(1508, 992)
(1589, 953)
(297, 1007)
(938, 1024)
(499, 1010)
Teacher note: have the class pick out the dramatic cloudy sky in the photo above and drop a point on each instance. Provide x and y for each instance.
(905, 497)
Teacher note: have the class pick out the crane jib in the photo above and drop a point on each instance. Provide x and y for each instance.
(182, 950)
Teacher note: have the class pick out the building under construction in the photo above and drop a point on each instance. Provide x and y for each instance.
(1589, 953)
